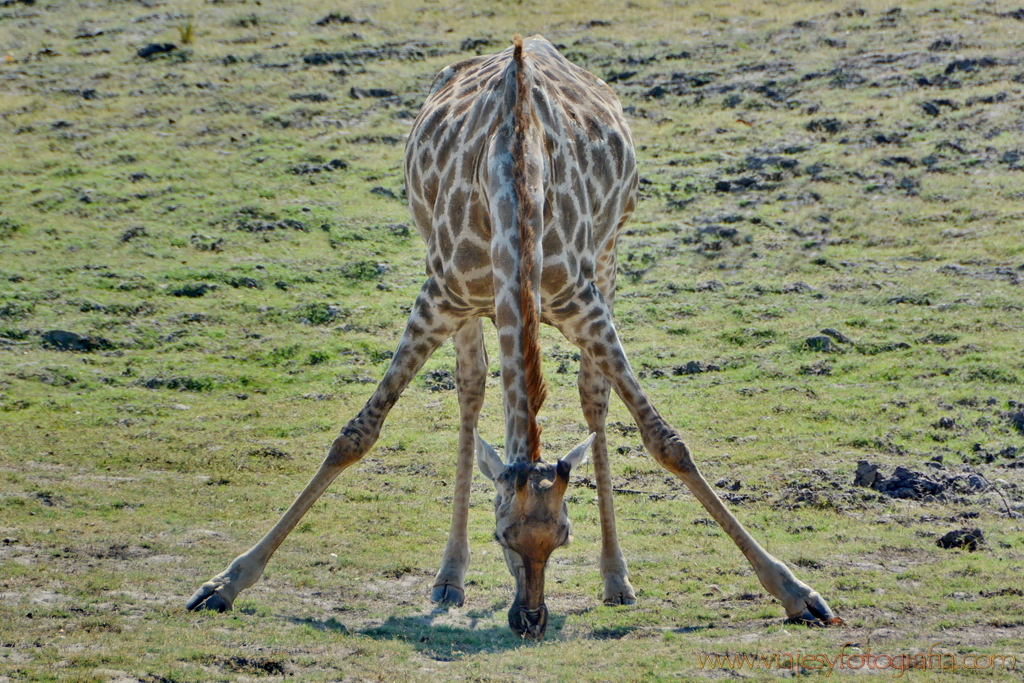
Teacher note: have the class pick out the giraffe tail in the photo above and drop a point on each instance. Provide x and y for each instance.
(527, 218)
(516, 170)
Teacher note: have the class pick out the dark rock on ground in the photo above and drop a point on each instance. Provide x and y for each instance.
(309, 97)
(383, 192)
(1016, 418)
(709, 286)
(361, 94)
(969, 65)
(934, 107)
(619, 76)
(411, 51)
(246, 282)
(729, 484)
(866, 474)
(822, 368)
(133, 232)
(267, 226)
(830, 126)
(207, 243)
(907, 484)
(820, 343)
(440, 380)
(695, 367)
(335, 18)
(969, 539)
(269, 452)
(311, 169)
(912, 299)
(62, 340)
(178, 383)
(737, 185)
(946, 44)
(837, 335)
(797, 288)
(154, 49)
(193, 290)
(475, 44)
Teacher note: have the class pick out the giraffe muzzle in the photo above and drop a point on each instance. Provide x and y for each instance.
(527, 623)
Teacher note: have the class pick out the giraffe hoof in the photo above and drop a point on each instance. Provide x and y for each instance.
(816, 613)
(447, 594)
(206, 598)
(619, 592)
(620, 599)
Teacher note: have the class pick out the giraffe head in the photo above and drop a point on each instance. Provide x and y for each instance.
(531, 521)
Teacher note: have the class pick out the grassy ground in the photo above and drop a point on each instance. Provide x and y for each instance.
(223, 226)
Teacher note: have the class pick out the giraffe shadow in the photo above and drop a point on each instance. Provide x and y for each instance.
(448, 642)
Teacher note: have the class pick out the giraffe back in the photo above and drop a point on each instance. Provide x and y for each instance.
(588, 184)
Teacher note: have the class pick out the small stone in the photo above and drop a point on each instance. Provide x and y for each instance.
(62, 340)
(977, 482)
(837, 335)
(820, 343)
(797, 288)
(155, 49)
(710, 286)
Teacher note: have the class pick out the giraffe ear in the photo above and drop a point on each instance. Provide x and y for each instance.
(487, 458)
(578, 455)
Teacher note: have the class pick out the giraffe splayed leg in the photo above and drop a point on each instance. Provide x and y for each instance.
(430, 323)
(591, 329)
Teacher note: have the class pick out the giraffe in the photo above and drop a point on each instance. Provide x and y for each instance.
(520, 171)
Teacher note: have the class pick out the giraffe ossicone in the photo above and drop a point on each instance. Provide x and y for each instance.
(520, 171)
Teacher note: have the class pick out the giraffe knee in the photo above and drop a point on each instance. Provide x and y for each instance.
(674, 456)
(350, 446)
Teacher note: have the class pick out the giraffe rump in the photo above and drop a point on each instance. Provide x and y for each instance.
(536, 387)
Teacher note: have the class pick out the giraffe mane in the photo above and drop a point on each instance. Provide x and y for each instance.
(536, 388)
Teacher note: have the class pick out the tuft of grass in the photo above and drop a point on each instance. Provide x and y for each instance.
(186, 30)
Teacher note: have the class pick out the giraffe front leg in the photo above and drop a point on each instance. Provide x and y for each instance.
(470, 379)
(594, 389)
(429, 325)
(591, 328)
(802, 603)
